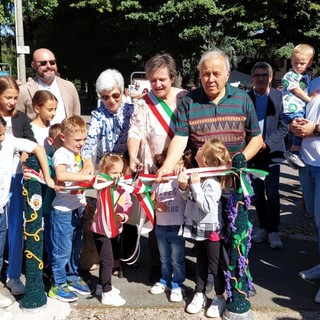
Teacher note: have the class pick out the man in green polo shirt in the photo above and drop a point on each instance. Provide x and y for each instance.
(215, 110)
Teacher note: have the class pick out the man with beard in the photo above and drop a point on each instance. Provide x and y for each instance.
(45, 65)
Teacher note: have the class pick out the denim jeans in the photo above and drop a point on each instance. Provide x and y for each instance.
(66, 239)
(171, 248)
(267, 199)
(3, 233)
(310, 184)
(15, 227)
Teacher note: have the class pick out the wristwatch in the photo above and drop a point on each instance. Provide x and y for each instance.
(316, 132)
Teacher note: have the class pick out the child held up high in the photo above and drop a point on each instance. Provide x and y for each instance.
(203, 223)
(295, 95)
(113, 166)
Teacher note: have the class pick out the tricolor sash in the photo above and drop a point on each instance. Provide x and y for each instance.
(162, 112)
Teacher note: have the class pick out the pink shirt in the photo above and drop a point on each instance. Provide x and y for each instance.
(123, 204)
(214, 236)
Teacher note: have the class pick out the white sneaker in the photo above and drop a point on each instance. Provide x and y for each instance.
(311, 274)
(274, 240)
(4, 301)
(317, 297)
(99, 290)
(217, 308)
(5, 315)
(259, 236)
(176, 295)
(294, 160)
(112, 299)
(158, 288)
(198, 302)
(16, 286)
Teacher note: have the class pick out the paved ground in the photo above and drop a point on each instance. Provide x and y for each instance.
(281, 294)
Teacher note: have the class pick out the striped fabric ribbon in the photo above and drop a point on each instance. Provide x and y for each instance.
(105, 199)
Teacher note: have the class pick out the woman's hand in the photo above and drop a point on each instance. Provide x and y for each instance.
(135, 165)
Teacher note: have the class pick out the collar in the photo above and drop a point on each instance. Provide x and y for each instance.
(259, 95)
(44, 85)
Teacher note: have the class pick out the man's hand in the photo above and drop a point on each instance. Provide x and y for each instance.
(302, 127)
(161, 172)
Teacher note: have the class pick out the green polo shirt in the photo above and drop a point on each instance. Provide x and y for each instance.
(233, 120)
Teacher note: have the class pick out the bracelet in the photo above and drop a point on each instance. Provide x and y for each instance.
(316, 132)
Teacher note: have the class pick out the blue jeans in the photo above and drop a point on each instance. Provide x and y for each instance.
(66, 240)
(15, 227)
(3, 233)
(267, 199)
(171, 248)
(310, 184)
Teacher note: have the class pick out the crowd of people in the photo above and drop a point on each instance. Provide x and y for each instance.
(158, 131)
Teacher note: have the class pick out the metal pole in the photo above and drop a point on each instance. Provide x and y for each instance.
(21, 63)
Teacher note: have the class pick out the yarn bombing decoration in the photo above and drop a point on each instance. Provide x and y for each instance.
(238, 277)
(34, 296)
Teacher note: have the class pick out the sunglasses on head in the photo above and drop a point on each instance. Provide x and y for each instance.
(114, 96)
(44, 63)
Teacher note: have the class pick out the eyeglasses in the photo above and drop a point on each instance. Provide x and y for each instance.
(44, 63)
(114, 96)
(258, 75)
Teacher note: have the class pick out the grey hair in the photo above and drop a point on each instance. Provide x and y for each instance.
(214, 54)
(108, 80)
(262, 65)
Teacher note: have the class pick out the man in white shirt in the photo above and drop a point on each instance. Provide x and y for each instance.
(45, 65)
(136, 93)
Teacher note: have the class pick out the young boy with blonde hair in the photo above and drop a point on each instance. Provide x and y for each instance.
(295, 95)
(67, 213)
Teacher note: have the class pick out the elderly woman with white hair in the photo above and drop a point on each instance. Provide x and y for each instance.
(108, 133)
(109, 124)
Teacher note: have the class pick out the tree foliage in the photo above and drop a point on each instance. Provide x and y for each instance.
(90, 36)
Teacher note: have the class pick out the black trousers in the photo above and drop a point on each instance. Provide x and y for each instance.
(104, 249)
(209, 256)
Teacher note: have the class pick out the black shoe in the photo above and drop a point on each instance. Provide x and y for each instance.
(155, 274)
(117, 272)
(47, 273)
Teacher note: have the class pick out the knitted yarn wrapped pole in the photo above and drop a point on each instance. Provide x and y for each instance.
(34, 296)
(238, 278)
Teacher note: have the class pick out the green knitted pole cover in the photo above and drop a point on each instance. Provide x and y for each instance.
(238, 278)
(35, 296)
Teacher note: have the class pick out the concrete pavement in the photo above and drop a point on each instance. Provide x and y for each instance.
(281, 294)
